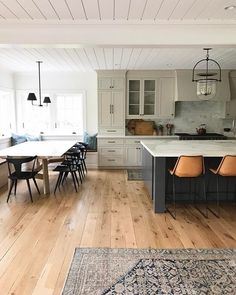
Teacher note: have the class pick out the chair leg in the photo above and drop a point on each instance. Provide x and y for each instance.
(217, 212)
(64, 177)
(9, 193)
(205, 214)
(73, 178)
(76, 178)
(28, 184)
(85, 166)
(173, 214)
(36, 185)
(15, 186)
(80, 174)
(57, 183)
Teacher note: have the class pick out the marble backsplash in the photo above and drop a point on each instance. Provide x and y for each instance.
(189, 115)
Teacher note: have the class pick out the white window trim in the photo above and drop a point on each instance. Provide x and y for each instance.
(52, 93)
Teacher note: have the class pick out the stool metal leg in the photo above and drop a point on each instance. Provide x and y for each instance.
(217, 212)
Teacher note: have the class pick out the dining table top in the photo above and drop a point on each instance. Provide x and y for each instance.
(41, 149)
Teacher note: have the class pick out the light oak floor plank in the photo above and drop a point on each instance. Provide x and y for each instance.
(37, 241)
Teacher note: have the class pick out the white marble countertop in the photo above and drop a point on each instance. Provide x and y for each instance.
(176, 148)
(175, 137)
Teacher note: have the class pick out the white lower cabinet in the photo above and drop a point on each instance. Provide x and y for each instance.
(133, 156)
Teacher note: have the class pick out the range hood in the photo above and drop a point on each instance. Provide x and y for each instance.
(186, 90)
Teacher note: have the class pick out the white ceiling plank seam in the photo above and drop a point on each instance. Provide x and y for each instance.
(9, 9)
(54, 9)
(22, 7)
(68, 7)
(40, 11)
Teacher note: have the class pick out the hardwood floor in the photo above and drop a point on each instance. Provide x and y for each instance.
(37, 241)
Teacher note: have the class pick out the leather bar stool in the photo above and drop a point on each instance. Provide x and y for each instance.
(226, 168)
(191, 167)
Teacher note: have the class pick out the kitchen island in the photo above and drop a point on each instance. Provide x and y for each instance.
(158, 156)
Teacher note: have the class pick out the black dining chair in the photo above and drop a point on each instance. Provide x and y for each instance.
(21, 168)
(69, 165)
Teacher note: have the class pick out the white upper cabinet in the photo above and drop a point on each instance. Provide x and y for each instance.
(166, 103)
(108, 83)
(186, 90)
(111, 102)
(151, 98)
(142, 98)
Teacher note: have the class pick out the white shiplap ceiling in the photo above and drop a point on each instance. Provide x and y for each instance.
(93, 58)
(24, 14)
(115, 10)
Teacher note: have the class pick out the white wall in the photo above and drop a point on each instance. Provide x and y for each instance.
(6, 79)
(80, 81)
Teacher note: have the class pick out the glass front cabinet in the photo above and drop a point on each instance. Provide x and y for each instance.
(142, 98)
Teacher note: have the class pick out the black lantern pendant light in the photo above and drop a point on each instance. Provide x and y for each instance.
(32, 96)
(206, 81)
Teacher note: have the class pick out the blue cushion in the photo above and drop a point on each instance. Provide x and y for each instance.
(16, 139)
(30, 137)
(91, 140)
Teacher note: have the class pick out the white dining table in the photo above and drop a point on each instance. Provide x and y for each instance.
(46, 151)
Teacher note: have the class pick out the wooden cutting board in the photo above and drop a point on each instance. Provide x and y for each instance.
(144, 128)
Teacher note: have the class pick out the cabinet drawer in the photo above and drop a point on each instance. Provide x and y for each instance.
(110, 141)
(111, 131)
(132, 141)
(110, 161)
(111, 151)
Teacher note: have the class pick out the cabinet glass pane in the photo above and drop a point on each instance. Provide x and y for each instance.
(149, 85)
(149, 109)
(133, 109)
(134, 85)
(149, 98)
(134, 97)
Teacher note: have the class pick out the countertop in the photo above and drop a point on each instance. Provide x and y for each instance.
(140, 136)
(176, 148)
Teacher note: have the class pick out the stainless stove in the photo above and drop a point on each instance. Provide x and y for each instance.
(207, 136)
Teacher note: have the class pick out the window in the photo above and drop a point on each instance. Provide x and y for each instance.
(7, 112)
(69, 113)
(65, 115)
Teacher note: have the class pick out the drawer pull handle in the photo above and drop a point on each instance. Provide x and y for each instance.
(111, 160)
(111, 130)
(111, 151)
(137, 141)
(111, 141)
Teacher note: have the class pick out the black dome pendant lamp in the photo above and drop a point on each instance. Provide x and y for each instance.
(32, 97)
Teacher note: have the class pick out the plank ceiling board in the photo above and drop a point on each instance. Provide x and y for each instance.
(121, 9)
(74, 59)
(61, 55)
(181, 9)
(76, 9)
(92, 57)
(46, 9)
(61, 9)
(6, 13)
(48, 59)
(118, 52)
(99, 52)
(167, 9)
(109, 58)
(16, 8)
(83, 57)
(209, 10)
(91, 9)
(217, 11)
(151, 9)
(30, 7)
(136, 9)
(197, 8)
(125, 57)
(134, 57)
(143, 57)
(107, 9)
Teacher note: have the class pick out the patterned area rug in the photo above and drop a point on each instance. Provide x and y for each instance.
(151, 272)
(134, 174)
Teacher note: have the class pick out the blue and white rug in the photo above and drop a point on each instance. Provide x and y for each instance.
(152, 271)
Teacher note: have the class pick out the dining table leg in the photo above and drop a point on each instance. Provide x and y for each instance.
(46, 187)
